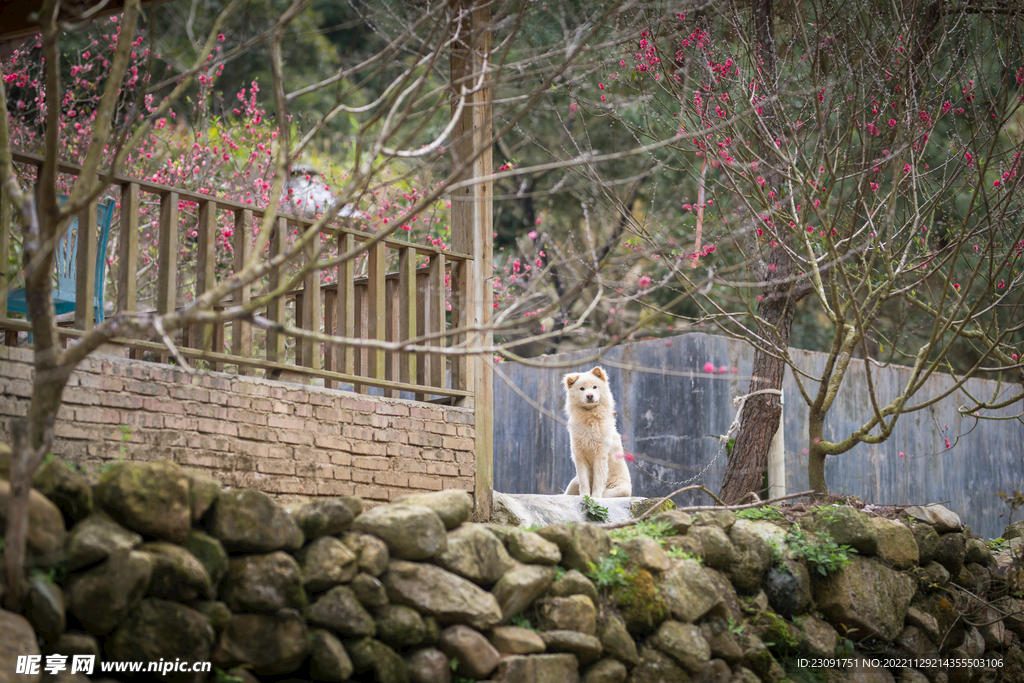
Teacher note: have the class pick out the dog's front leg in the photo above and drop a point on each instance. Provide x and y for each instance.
(600, 473)
(583, 475)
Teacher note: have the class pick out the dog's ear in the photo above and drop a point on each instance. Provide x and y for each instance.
(598, 372)
(570, 380)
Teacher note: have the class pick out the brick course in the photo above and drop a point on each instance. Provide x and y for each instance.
(292, 442)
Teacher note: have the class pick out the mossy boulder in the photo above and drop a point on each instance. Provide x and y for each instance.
(475, 655)
(573, 613)
(263, 583)
(587, 545)
(373, 552)
(533, 548)
(327, 562)
(443, 595)
(520, 586)
(788, 587)
(688, 592)
(453, 506)
(586, 648)
(654, 666)
(751, 558)
(44, 607)
(371, 655)
(866, 595)
(327, 516)
(573, 582)
(249, 521)
(339, 611)
(684, 643)
(210, 553)
(329, 661)
(203, 491)
(846, 526)
(177, 573)
(46, 532)
(412, 532)
(927, 540)
(474, 552)
(951, 551)
(716, 548)
(269, 644)
(399, 625)
(896, 543)
(67, 487)
(369, 590)
(641, 602)
(94, 538)
(615, 638)
(149, 497)
(164, 630)
(103, 596)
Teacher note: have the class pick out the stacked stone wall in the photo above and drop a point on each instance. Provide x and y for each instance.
(289, 441)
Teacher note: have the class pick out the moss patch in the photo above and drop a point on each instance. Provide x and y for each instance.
(642, 506)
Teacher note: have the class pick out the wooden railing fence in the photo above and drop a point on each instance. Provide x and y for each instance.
(409, 301)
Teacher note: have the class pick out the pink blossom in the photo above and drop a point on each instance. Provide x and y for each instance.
(709, 367)
(532, 234)
(644, 281)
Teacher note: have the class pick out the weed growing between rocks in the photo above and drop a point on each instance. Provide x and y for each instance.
(763, 512)
(821, 553)
(594, 511)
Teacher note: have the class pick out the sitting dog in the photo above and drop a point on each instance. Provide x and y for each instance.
(597, 452)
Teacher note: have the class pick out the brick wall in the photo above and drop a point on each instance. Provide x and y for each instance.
(288, 440)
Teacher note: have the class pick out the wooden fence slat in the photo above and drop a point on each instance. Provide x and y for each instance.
(6, 217)
(330, 327)
(361, 324)
(311, 308)
(391, 307)
(241, 332)
(376, 308)
(85, 268)
(275, 309)
(461, 309)
(422, 287)
(436, 318)
(407, 300)
(346, 303)
(206, 260)
(128, 248)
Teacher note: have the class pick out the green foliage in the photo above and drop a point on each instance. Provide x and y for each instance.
(734, 628)
(821, 553)
(645, 527)
(533, 527)
(594, 511)
(677, 553)
(559, 572)
(763, 512)
(995, 544)
(611, 571)
(522, 621)
(222, 676)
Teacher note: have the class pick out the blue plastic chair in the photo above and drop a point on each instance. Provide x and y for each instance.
(65, 260)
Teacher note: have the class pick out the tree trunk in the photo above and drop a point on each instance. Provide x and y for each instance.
(760, 417)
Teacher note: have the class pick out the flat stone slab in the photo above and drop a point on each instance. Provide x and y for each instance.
(528, 509)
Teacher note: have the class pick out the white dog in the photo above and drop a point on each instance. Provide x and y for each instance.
(597, 452)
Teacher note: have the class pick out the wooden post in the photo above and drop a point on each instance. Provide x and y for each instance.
(128, 248)
(346, 303)
(376, 313)
(205, 278)
(471, 227)
(241, 335)
(435, 317)
(167, 279)
(407, 311)
(6, 216)
(275, 309)
(311, 307)
(85, 269)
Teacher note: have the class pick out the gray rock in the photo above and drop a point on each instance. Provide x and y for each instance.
(724, 519)
(67, 488)
(428, 665)
(977, 552)
(573, 613)
(203, 491)
(558, 533)
(46, 533)
(177, 573)
(149, 497)
(216, 612)
(951, 551)
(372, 552)
(369, 590)
(521, 586)
(399, 625)
(866, 595)
(916, 642)
(477, 657)
(656, 667)
(925, 622)
(440, 594)
(94, 538)
(71, 643)
(270, 644)
(751, 558)
(326, 562)
(102, 597)
(372, 655)
(1014, 530)
(210, 553)
(573, 582)
(18, 640)
(248, 521)
(263, 583)
(846, 526)
(756, 655)
(688, 591)
(677, 521)
(586, 648)
(927, 542)
(606, 670)
(943, 519)
(615, 639)
(329, 661)
(818, 639)
(475, 553)
(339, 611)
(587, 544)
(532, 548)
(684, 643)
(513, 640)
(716, 548)
(44, 607)
(646, 553)
(908, 675)
(788, 588)
(164, 630)
(453, 506)
(411, 532)
(721, 640)
(934, 574)
(716, 671)
(896, 544)
(327, 516)
(548, 668)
